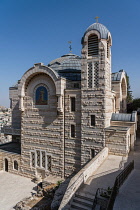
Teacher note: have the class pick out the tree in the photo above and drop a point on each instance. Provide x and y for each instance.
(129, 92)
(136, 104)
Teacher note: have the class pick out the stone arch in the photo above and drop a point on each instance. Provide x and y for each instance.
(88, 34)
(123, 88)
(6, 164)
(38, 68)
(93, 45)
(31, 73)
(123, 92)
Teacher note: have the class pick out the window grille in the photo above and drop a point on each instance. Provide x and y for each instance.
(38, 158)
(92, 120)
(107, 49)
(96, 74)
(72, 131)
(49, 162)
(33, 159)
(72, 104)
(93, 45)
(90, 75)
(43, 159)
(76, 85)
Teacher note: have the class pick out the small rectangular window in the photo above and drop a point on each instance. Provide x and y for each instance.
(33, 159)
(92, 120)
(92, 153)
(72, 131)
(43, 159)
(72, 104)
(38, 158)
(49, 162)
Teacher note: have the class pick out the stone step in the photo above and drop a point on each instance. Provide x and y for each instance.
(82, 201)
(79, 206)
(97, 207)
(89, 198)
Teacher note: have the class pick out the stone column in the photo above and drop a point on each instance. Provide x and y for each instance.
(21, 107)
(60, 104)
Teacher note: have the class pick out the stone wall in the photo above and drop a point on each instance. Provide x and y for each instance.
(11, 157)
(95, 100)
(42, 129)
(81, 177)
(72, 144)
(118, 141)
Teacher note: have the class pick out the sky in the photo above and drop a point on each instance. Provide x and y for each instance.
(34, 31)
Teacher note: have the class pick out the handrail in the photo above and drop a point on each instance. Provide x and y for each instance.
(117, 184)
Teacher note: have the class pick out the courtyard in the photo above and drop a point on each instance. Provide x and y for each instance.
(14, 188)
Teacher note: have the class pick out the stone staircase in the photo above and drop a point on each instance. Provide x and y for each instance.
(82, 202)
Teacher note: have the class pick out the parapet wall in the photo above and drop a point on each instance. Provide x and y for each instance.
(81, 177)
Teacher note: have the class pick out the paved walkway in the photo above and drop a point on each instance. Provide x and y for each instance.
(129, 194)
(13, 188)
(104, 176)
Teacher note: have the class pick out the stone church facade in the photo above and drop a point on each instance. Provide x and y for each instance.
(65, 113)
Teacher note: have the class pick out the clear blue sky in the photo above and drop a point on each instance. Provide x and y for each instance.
(35, 31)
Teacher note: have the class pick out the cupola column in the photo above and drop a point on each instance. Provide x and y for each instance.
(60, 103)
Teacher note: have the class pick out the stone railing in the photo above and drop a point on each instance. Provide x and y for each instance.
(10, 131)
(81, 177)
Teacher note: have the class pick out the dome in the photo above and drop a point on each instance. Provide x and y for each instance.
(68, 66)
(104, 32)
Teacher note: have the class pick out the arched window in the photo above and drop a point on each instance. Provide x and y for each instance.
(93, 47)
(16, 165)
(41, 96)
(124, 88)
(6, 164)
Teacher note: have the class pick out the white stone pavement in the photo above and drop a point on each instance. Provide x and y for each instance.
(104, 177)
(129, 194)
(13, 188)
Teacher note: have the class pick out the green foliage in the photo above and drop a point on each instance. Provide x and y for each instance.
(136, 104)
(129, 92)
(107, 193)
(59, 182)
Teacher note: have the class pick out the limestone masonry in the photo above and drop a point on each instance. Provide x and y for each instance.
(65, 113)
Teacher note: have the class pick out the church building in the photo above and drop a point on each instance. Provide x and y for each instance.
(66, 112)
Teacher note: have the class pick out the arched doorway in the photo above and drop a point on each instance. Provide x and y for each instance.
(6, 165)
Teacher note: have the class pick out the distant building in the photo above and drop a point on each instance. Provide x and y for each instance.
(65, 113)
(5, 120)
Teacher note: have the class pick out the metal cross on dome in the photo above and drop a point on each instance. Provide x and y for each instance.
(97, 19)
(70, 46)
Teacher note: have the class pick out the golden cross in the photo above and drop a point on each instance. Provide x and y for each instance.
(70, 46)
(97, 19)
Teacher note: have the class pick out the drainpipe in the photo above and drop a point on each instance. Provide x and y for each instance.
(64, 135)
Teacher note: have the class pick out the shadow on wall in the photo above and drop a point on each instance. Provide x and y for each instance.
(16, 116)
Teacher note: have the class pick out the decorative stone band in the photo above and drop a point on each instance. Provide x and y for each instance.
(81, 177)
(11, 131)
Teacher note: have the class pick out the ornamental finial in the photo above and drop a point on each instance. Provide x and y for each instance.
(97, 19)
(70, 46)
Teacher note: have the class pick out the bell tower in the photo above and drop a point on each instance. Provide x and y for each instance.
(96, 102)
